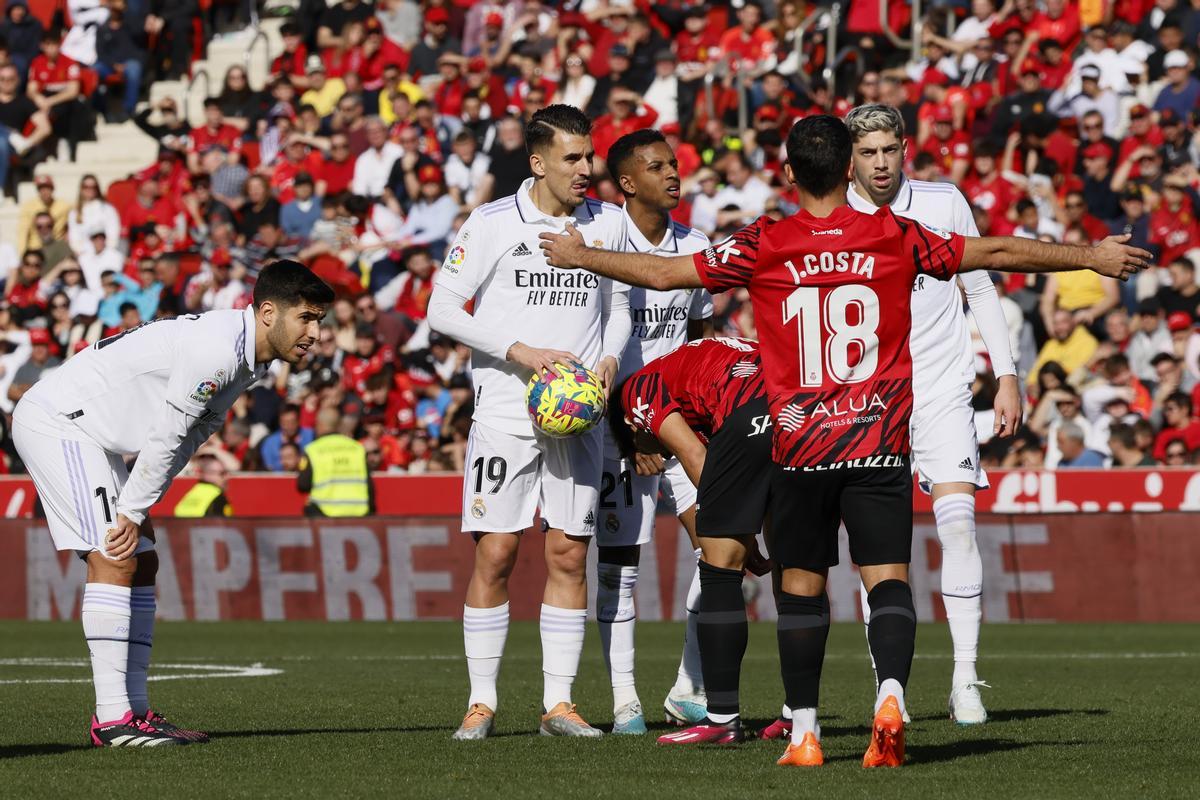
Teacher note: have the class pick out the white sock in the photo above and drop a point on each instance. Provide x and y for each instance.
(721, 719)
(889, 687)
(106, 628)
(484, 632)
(804, 720)
(786, 713)
(690, 679)
(962, 580)
(615, 617)
(562, 643)
(141, 639)
(866, 614)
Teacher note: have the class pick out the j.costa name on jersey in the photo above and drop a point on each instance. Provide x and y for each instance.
(555, 287)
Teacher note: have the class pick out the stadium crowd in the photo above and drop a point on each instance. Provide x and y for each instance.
(382, 125)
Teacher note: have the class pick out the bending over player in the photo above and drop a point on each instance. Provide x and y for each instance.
(648, 175)
(830, 289)
(157, 391)
(706, 404)
(527, 317)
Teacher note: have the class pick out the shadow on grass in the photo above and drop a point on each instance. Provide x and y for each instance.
(1021, 714)
(218, 736)
(26, 750)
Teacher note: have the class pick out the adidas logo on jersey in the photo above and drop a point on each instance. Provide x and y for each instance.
(521, 250)
(590, 520)
(967, 464)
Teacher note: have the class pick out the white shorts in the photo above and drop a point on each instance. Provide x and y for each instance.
(628, 501)
(945, 447)
(508, 478)
(77, 481)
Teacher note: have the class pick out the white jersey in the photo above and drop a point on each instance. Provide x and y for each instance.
(497, 261)
(157, 391)
(942, 355)
(660, 317)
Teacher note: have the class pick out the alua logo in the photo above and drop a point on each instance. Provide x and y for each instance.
(856, 405)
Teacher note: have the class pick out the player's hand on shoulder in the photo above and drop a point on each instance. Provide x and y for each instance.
(1116, 259)
(540, 360)
(648, 464)
(565, 249)
(121, 540)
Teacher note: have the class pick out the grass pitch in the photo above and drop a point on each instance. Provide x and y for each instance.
(367, 709)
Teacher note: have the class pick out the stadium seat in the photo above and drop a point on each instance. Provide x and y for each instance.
(121, 193)
(44, 9)
(190, 263)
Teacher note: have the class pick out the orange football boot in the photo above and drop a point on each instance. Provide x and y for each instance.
(887, 736)
(806, 754)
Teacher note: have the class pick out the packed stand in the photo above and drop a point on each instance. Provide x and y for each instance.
(383, 125)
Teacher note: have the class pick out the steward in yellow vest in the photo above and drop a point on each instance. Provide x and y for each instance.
(207, 498)
(334, 473)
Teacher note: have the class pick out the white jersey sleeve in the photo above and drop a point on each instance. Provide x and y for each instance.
(984, 302)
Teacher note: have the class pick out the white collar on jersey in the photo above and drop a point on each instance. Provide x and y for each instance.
(641, 244)
(531, 214)
(902, 201)
(246, 342)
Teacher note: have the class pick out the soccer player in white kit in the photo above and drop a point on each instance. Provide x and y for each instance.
(945, 447)
(647, 174)
(528, 316)
(157, 392)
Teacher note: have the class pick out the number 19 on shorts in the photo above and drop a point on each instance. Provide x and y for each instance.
(843, 338)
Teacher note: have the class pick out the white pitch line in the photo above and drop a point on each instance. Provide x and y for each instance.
(210, 670)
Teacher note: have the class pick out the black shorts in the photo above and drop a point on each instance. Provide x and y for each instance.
(735, 484)
(874, 501)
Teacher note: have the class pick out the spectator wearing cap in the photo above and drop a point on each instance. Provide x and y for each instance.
(41, 360)
(951, 148)
(466, 169)
(432, 216)
(1181, 92)
(448, 96)
(374, 166)
(323, 91)
(215, 287)
(1142, 133)
(215, 132)
(43, 202)
(1102, 202)
(1090, 97)
(336, 17)
(627, 112)
(435, 41)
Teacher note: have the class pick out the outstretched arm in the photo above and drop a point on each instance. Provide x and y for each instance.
(1111, 257)
(569, 251)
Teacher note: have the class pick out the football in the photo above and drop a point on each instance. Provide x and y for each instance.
(567, 405)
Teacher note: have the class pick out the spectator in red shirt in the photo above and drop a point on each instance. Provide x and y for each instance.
(1060, 22)
(1022, 16)
(1178, 425)
(1173, 227)
(297, 158)
(1142, 133)
(1054, 63)
(290, 63)
(988, 190)
(951, 148)
(54, 86)
(448, 96)
(215, 131)
(368, 359)
(149, 207)
(1076, 212)
(24, 295)
(751, 44)
(626, 114)
(336, 172)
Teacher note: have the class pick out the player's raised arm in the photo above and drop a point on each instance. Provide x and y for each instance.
(1111, 257)
(569, 251)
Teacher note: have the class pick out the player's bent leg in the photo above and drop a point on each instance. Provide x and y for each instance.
(892, 633)
(962, 587)
(485, 628)
(563, 616)
(616, 613)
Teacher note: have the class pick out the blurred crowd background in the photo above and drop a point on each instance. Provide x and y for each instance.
(382, 125)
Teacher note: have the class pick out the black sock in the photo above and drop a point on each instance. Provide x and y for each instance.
(722, 630)
(803, 627)
(892, 630)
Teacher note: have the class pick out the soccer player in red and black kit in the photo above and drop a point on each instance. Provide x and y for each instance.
(706, 404)
(830, 288)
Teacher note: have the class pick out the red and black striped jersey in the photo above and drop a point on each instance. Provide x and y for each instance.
(705, 381)
(832, 303)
